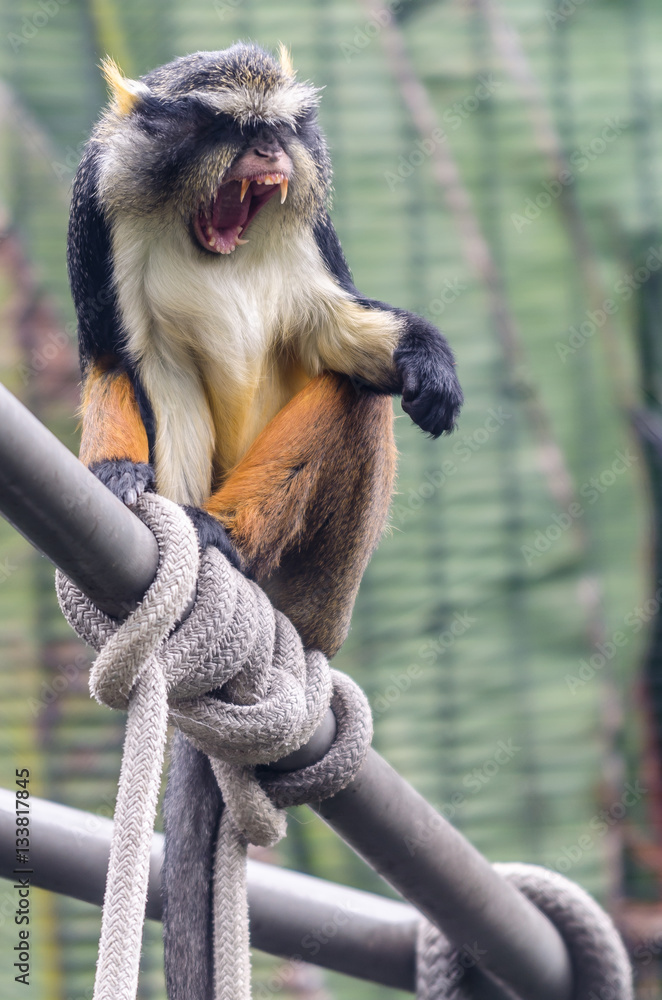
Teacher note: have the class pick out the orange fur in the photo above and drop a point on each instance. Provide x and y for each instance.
(308, 502)
(112, 425)
(306, 505)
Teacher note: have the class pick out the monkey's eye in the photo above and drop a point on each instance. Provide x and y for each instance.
(186, 114)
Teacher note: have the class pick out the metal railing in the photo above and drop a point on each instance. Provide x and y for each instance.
(339, 928)
(58, 505)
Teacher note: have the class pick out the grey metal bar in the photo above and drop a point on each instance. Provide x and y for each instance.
(379, 814)
(291, 915)
(431, 864)
(65, 512)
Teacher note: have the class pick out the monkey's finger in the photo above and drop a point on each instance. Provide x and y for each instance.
(126, 480)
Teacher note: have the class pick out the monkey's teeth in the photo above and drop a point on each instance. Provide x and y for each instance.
(213, 225)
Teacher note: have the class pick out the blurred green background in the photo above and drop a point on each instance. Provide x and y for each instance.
(515, 201)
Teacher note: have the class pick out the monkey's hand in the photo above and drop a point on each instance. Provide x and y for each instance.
(211, 532)
(425, 367)
(127, 480)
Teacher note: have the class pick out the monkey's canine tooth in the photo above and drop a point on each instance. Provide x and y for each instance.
(245, 184)
(283, 189)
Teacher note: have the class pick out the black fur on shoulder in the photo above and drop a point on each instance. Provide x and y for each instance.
(90, 268)
(329, 247)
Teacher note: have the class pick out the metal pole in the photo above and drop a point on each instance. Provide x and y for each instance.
(431, 864)
(292, 915)
(52, 499)
(379, 814)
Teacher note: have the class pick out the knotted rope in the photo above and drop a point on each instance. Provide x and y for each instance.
(274, 696)
(600, 966)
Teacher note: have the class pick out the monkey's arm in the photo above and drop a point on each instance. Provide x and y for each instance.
(115, 446)
(114, 441)
(118, 424)
(389, 349)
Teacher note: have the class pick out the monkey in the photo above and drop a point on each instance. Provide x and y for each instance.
(229, 362)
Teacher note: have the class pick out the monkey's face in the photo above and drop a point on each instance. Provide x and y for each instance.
(206, 142)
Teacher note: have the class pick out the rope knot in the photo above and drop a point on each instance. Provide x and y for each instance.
(600, 964)
(128, 648)
(233, 676)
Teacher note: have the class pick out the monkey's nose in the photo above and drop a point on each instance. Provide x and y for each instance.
(269, 152)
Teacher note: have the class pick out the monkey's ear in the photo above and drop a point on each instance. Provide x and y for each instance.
(285, 60)
(125, 93)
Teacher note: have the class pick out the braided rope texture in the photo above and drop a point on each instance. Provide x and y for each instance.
(600, 966)
(274, 696)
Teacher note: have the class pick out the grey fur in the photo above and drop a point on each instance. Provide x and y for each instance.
(191, 811)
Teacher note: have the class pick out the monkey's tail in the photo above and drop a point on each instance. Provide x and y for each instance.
(192, 810)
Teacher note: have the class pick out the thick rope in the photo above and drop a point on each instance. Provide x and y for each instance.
(274, 696)
(600, 964)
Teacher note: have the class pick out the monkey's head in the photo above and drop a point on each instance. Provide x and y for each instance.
(207, 141)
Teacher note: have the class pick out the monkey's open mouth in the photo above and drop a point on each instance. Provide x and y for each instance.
(218, 225)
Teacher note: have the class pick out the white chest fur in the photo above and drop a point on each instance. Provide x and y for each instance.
(209, 335)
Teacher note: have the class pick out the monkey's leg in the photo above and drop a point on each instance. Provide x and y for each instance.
(114, 441)
(307, 504)
(114, 445)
